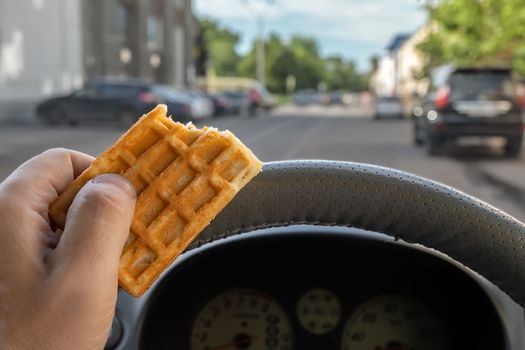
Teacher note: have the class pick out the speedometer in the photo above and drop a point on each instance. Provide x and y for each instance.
(241, 319)
(394, 322)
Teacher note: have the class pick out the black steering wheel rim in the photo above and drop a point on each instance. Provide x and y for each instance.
(414, 209)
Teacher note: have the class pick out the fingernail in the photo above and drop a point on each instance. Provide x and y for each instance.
(116, 180)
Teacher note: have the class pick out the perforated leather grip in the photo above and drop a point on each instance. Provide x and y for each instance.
(384, 200)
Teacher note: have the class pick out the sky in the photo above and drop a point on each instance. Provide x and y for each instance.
(354, 29)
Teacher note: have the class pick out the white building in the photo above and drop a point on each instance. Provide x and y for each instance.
(411, 64)
(40, 51)
(383, 79)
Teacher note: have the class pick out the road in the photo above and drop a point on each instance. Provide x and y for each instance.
(314, 133)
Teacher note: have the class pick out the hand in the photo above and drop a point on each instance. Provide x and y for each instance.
(59, 292)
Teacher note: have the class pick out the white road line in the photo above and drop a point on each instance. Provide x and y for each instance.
(267, 132)
(304, 140)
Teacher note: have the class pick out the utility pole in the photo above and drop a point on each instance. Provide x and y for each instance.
(261, 76)
(260, 49)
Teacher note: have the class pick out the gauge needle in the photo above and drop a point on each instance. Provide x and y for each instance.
(246, 339)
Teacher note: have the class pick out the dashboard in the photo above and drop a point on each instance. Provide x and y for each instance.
(313, 289)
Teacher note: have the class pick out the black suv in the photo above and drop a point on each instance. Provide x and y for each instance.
(480, 102)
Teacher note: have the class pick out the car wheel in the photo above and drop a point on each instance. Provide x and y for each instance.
(418, 136)
(513, 148)
(418, 140)
(126, 117)
(54, 116)
(434, 146)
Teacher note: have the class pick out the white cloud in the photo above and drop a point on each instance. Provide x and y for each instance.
(235, 9)
(368, 22)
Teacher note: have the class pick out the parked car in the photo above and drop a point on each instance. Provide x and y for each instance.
(306, 97)
(221, 105)
(417, 116)
(261, 99)
(388, 107)
(201, 104)
(179, 104)
(239, 102)
(336, 97)
(473, 102)
(100, 100)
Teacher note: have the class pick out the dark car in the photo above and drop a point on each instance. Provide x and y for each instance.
(238, 102)
(473, 102)
(221, 105)
(306, 97)
(109, 101)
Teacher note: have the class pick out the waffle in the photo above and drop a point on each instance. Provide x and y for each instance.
(184, 176)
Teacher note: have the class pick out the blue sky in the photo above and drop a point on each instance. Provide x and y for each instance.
(354, 29)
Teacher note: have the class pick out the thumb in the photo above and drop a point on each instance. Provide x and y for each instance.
(97, 225)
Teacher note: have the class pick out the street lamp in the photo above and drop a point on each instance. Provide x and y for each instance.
(260, 55)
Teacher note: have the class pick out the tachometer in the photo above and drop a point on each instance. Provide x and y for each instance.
(241, 319)
(394, 322)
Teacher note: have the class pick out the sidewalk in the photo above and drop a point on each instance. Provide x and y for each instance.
(507, 172)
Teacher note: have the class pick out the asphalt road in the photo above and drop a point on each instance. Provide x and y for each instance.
(315, 133)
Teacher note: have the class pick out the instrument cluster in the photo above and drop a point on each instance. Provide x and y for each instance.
(317, 291)
(252, 319)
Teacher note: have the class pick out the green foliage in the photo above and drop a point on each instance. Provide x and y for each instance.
(220, 44)
(477, 32)
(298, 58)
(340, 74)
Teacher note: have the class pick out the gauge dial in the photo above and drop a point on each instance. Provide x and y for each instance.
(394, 322)
(318, 311)
(241, 319)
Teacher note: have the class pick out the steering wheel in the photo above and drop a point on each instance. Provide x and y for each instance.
(392, 202)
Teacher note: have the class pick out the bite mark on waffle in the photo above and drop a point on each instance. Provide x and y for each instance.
(184, 176)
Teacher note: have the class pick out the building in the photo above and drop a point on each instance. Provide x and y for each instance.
(384, 81)
(401, 69)
(411, 80)
(148, 39)
(50, 47)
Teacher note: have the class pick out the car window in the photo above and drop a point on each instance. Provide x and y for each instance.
(88, 91)
(472, 85)
(118, 91)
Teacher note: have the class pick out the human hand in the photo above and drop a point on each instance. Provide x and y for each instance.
(59, 292)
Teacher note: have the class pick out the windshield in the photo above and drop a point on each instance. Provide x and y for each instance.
(431, 87)
(478, 84)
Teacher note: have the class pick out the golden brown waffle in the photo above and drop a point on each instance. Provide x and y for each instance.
(183, 176)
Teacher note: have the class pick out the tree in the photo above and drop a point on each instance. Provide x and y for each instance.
(477, 32)
(341, 74)
(220, 47)
(298, 58)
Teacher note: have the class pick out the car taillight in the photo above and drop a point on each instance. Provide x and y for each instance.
(442, 98)
(147, 97)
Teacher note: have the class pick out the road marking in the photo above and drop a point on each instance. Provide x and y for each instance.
(267, 132)
(305, 139)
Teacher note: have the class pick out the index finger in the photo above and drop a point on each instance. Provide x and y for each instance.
(40, 180)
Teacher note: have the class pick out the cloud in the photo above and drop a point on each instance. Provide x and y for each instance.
(235, 9)
(366, 25)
